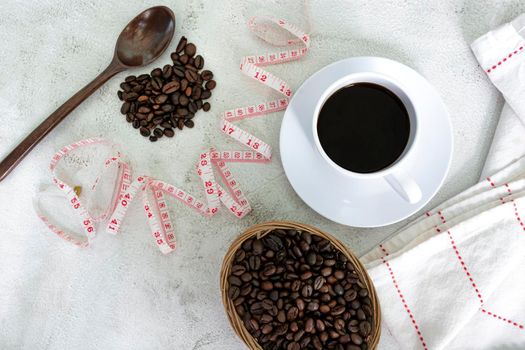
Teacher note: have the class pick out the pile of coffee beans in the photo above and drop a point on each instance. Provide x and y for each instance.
(294, 290)
(168, 98)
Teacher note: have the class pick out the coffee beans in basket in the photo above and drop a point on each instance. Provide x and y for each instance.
(294, 290)
(169, 97)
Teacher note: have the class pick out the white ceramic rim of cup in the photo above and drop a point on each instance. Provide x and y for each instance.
(370, 77)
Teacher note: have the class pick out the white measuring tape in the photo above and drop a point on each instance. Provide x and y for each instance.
(125, 190)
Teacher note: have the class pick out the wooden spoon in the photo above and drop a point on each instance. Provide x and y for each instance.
(142, 41)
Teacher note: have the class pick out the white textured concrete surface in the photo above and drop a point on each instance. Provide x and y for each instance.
(122, 293)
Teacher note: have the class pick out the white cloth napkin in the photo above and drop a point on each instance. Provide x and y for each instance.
(455, 278)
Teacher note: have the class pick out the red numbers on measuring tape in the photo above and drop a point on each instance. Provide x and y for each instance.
(254, 145)
(261, 77)
(228, 130)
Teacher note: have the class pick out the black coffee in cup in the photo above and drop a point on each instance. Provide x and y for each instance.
(363, 127)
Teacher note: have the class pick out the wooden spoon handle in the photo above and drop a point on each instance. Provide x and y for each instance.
(12, 160)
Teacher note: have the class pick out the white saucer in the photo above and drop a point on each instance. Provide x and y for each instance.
(359, 202)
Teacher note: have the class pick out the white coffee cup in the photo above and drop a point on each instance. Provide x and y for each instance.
(397, 174)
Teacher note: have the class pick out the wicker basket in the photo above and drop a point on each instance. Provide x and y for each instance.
(260, 231)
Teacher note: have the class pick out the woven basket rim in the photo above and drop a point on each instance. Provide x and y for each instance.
(260, 230)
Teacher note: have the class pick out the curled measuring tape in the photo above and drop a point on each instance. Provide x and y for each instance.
(153, 191)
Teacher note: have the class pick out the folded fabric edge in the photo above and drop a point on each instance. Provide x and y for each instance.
(487, 192)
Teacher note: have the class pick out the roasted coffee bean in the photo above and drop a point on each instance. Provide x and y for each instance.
(188, 91)
(142, 77)
(312, 306)
(192, 76)
(363, 292)
(190, 49)
(257, 308)
(338, 289)
(206, 107)
(246, 277)
(156, 83)
(167, 71)
(171, 87)
(142, 98)
(183, 100)
(144, 131)
(166, 123)
(234, 281)
(273, 242)
(158, 132)
(197, 91)
(206, 75)
(319, 282)
(339, 275)
(184, 59)
(181, 45)
(339, 324)
(254, 262)
(269, 270)
(327, 271)
(179, 72)
(182, 112)
(192, 107)
(267, 285)
(157, 120)
(168, 132)
(293, 346)
(311, 258)
(174, 56)
(233, 292)
(125, 86)
(350, 295)
(167, 108)
(306, 275)
(153, 138)
(189, 123)
(300, 304)
(210, 85)
(131, 96)
(356, 339)
(309, 325)
(292, 313)
(190, 67)
(199, 62)
(183, 84)
(205, 94)
(307, 291)
(125, 107)
(157, 72)
(360, 314)
(317, 343)
(365, 328)
(238, 270)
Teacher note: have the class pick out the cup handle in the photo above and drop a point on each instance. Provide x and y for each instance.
(405, 186)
